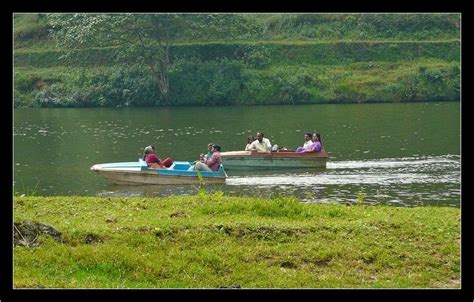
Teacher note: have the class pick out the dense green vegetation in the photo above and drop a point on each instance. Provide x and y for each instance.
(252, 59)
(210, 240)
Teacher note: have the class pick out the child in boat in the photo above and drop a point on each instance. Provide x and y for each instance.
(153, 161)
(203, 156)
(250, 139)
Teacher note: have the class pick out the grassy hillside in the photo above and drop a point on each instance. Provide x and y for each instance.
(212, 241)
(281, 59)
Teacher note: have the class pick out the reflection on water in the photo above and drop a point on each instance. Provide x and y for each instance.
(398, 181)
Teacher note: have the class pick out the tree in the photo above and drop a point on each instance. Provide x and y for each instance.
(141, 39)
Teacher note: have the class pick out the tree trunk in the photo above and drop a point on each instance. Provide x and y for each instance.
(163, 82)
(162, 77)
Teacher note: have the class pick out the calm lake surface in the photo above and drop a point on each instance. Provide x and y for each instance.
(399, 154)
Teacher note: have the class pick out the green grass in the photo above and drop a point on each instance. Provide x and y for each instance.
(26, 22)
(375, 81)
(291, 28)
(335, 53)
(208, 241)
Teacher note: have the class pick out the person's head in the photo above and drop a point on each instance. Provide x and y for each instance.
(308, 136)
(216, 147)
(149, 149)
(209, 146)
(317, 137)
(260, 136)
(250, 139)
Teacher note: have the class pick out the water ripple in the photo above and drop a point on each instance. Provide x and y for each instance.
(427, 170)
(397, 181)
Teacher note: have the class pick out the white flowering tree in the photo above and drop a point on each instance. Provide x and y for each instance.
(140, 39)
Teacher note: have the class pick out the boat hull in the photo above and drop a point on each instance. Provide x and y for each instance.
(152, 178)
(138, 173)
(273, 160)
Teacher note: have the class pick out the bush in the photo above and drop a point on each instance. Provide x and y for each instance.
(290, 87)
(206, 82)
(257, 57)
(434, 75)
(346, 93)
(126, 87)
(56, 95)
(293, 94)
(226, 82)
(25, 82)
(119, 88)
(393, 92)
(430, 84)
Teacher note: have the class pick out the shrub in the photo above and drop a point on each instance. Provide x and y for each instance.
(434, 75)
(345, 93)
(257, 57)
(129, 87)
(393, 92)
(290, 86)
(55, 95)
(25, 82)
(211, 82)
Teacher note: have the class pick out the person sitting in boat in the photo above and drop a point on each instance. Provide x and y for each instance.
(250, 139)
(203, 156)
(210, 164)
(318, 144)
(261, 144)
(308, 144)
(153, 161)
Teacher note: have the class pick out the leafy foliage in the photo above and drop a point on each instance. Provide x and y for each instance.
(147, 37)
(220, 59)
(208, 82)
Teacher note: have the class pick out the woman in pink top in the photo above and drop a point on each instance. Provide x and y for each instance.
(212, 163)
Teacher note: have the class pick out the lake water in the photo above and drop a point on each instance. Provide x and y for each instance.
(401, 154)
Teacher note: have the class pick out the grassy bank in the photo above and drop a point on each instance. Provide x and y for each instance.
(260, 54)
(212, 241)
(277, 59)
(231, 82)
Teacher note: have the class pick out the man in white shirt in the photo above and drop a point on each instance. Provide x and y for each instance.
(261, 144)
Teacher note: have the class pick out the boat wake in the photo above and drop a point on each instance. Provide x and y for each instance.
(408, 162)
(401, 181)
(424, 170)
